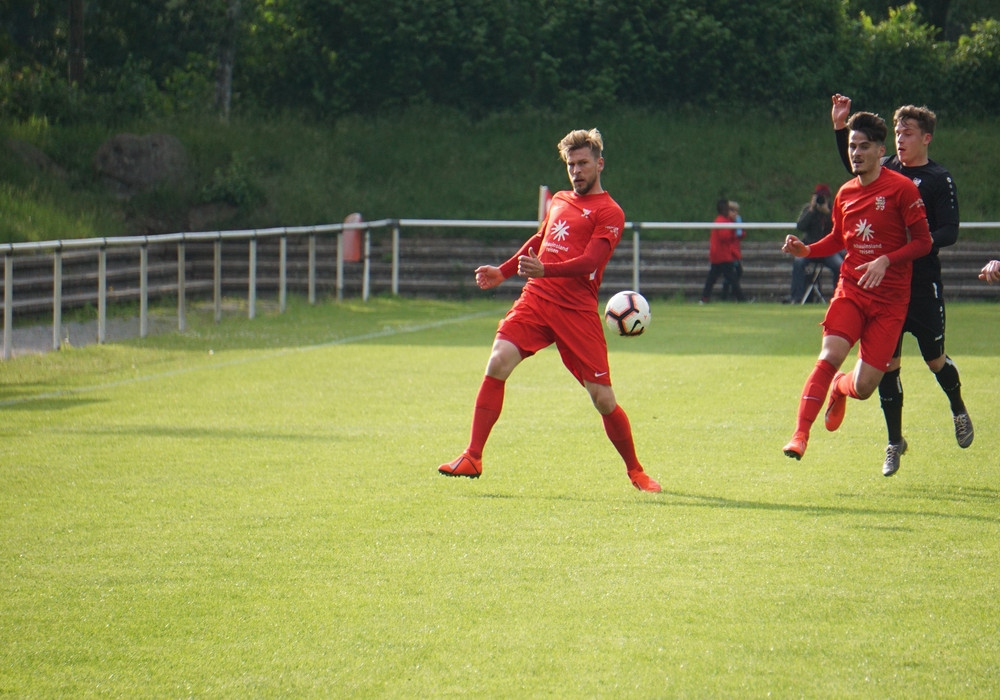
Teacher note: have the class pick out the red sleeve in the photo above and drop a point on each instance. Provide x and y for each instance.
(828, 245)
(920, 244)
(915, 217)
(509, 268)
(597, 251)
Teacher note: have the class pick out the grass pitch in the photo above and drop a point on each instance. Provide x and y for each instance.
(253, 509)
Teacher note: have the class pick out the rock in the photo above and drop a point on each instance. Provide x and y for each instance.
(35, 158)
(131, 164)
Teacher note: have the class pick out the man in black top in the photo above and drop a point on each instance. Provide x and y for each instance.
(814, 223)
(925, 320)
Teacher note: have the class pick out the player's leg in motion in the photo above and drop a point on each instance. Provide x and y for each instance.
(489, 404)
(890, 391)
(824, 373)
(947, 377)
(813, 396)
(619, 431)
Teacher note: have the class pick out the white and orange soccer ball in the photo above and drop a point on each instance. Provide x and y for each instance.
(627, 313)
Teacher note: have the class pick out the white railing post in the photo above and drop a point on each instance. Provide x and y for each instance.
(8, 305)
(340, 266)
(252, 291)
(143, 291)
(312, 268)
(395, 258)
(181, 284)
(102, 294)
(57, 300)
(217, 279)
(635, 257)
(283, 275)
(366, 280)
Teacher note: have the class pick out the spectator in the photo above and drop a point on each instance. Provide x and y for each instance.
(723, 254)
(813, 224)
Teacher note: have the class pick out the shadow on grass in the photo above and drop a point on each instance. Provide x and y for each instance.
(675, 499)
(697, 500)
(60, 403)
(198, 433)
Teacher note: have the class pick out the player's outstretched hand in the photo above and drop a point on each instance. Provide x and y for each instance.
(991, 272)
(530, 266)
(794, 246)
(488, 276)
(840, 110)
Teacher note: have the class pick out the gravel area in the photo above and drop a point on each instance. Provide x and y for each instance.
(36, 340)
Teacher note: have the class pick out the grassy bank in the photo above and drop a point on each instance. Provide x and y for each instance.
(432, 164)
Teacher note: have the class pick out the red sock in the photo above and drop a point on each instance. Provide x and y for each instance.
(845, 385)
(814, 395)
(619, 431)
(489, 403)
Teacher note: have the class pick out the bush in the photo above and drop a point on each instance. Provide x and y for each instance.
(974, 75)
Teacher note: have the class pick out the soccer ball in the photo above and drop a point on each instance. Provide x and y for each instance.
(627, 313)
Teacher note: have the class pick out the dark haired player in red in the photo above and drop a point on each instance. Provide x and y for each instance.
(878, 217)
(925, 318)
(559, 305)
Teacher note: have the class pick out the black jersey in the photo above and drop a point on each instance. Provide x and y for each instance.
(937, 188)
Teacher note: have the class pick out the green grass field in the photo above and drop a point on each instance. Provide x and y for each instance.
(253, 510)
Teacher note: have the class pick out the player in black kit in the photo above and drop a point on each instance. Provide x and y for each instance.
(925, 318)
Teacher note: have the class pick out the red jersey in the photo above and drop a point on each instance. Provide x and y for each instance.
(572, 222)
(885, 217)
(724, 245)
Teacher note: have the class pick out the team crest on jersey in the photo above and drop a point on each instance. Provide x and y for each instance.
(864, 230)
(586, 213)
(560, 230)
(880, 204)
(917, 181)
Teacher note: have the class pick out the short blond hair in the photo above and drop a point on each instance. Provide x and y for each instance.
(581, 138)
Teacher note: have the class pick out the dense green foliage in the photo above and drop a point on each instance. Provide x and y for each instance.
(332, 57)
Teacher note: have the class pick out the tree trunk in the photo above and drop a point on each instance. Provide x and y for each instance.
(75, 68)
(227, 58)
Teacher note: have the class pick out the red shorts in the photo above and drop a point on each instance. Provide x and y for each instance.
(874, 323)
(534, 323)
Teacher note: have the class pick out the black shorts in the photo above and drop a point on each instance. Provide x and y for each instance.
(925, 322)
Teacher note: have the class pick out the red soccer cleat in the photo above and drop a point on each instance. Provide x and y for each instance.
(837, 406)
(641, 481)
(465, 465)
(796, 447)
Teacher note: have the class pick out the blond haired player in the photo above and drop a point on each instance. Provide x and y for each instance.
(564, 263)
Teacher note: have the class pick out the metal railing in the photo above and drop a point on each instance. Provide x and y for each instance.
(101, 246)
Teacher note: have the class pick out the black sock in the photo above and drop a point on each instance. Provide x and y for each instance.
(947, 377)
(890, 391)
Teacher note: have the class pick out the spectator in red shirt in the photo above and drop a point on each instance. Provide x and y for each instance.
(723, 255)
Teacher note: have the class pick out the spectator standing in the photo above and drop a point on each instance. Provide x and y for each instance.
(723, 250)
(734, 212)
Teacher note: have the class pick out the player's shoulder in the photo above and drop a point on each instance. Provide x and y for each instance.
(605, 201)
(936, 171)
(895, 178)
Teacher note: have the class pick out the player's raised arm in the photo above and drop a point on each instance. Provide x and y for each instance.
(839, 113)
